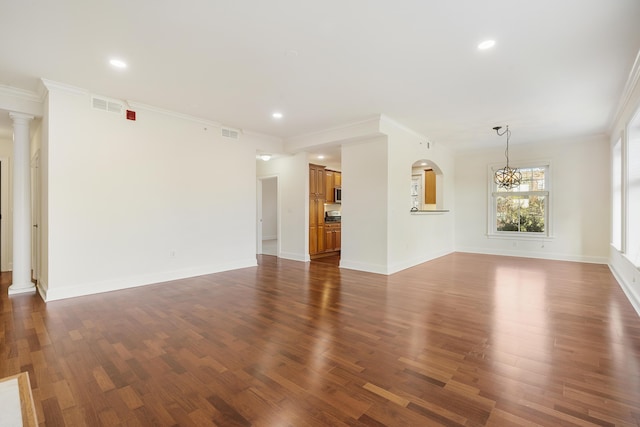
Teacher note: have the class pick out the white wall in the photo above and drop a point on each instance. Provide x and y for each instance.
(416, 238)
(379, 233)
(364, 205)
(269, 208)
(293, 181)
(138, 202)
(578, 201)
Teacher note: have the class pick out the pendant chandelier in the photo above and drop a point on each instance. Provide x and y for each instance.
(506, 177)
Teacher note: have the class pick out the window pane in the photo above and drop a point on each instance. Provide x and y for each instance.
(633, 183)
(537, 179)
(520, 213)
(533, 179)
(616, 208)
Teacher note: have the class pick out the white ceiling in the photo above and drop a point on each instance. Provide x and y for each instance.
(557, 71)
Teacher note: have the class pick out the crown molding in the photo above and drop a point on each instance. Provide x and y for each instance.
(263, 139)
(23, 94)
(351, 131)
(147, 107)
(261, 135)
(631, 84)
(347, 126)
(335, 135)
(18, 100)
(386, 119)
(50, 84)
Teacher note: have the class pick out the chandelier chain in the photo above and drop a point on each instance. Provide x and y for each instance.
(506, 177)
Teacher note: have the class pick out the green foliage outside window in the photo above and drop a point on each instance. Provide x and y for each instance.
(522, 209)
(521, 213)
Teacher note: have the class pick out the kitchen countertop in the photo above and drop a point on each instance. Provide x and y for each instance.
(430, 211)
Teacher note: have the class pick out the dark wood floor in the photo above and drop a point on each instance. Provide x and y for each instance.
(465, 339)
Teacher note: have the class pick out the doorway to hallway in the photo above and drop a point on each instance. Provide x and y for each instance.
(268, 230)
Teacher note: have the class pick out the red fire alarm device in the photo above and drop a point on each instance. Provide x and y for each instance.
(131, 115)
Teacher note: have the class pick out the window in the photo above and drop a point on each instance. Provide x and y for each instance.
(524, 210)
(632, 243)
(616, 208)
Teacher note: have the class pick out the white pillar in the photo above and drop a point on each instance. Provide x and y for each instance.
(21, 282)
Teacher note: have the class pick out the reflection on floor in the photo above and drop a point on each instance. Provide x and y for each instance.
(270, 247)
(333, 259)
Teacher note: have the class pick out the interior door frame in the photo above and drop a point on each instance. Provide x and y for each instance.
(35, 215)
(259, 217)
(259, 213)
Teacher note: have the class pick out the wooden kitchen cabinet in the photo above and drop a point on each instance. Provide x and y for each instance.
(333, 237)
(316, 240)
(317, 189)
(429, 187)
(337, 179)
(317, 181)
(333, 179)
(329, 186)
(316, 226)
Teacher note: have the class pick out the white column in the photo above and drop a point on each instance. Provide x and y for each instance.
(21, 282)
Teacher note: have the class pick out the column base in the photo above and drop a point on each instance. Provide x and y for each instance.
(16, 289)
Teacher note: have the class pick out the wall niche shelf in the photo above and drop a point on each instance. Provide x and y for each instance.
(428, 212)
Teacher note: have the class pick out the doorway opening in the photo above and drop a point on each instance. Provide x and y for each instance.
(268, 225)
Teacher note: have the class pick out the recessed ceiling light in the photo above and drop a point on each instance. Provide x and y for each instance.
(277, 115)
(487, 44)
(265, 157)
(321, 156)
(118, 63)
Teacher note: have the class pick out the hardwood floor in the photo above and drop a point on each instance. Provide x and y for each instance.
(465, 339)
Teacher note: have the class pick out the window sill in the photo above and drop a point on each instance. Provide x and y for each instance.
(630, 261)
(521, 236)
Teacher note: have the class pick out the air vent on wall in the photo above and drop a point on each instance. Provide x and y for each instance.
(230, 133)
(106, 105)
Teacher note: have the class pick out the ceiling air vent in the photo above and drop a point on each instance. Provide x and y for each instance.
(106, 105)
(230, 133)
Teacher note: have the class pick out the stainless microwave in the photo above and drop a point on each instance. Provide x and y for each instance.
(337, 194)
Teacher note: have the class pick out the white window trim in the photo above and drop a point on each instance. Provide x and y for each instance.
(626, 190)
(623, 195)
(547, 235)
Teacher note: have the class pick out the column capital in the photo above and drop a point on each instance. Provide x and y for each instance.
(16, 117)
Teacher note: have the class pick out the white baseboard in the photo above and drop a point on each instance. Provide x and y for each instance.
(394, 268)
(363, 266)
(633, 298)
(537, 255)
(294, 256)
(270, 237)
(57, 293)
